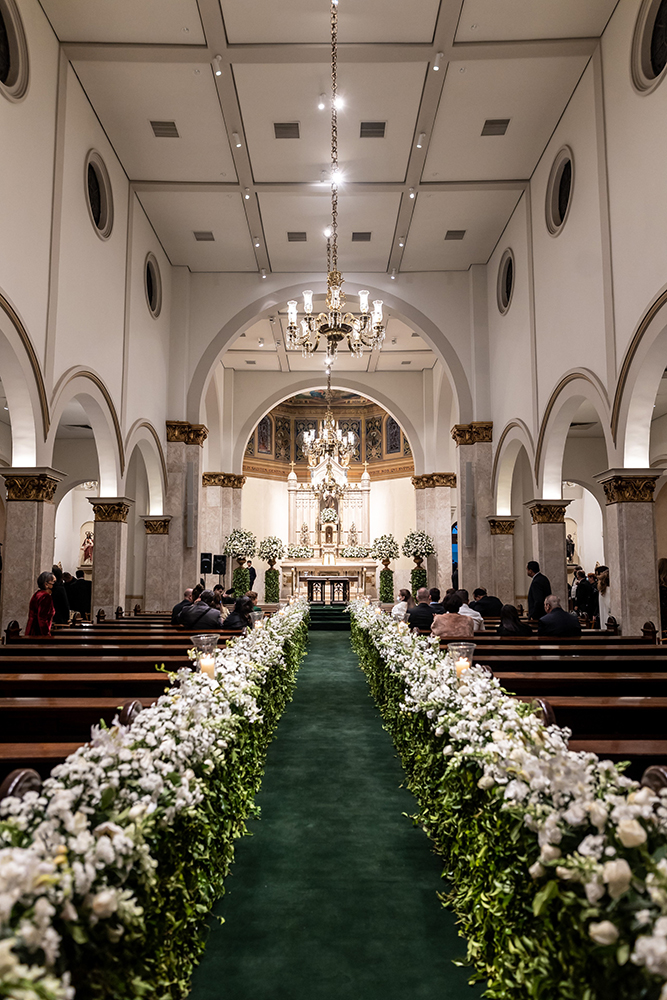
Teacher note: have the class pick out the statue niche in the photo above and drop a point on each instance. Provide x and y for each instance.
(328, 535)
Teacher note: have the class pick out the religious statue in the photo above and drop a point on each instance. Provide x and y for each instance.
(304, 538)
(87, 547)
(569, 548)
(353, 535)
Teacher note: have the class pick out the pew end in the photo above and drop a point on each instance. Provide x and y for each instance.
(20, 781)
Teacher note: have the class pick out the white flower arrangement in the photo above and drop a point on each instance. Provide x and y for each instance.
(328, 516)
(554, 792)
(299, 552)
(354, 552)
(241, 544)
(142, 777)
(271, 548)
(419, 544)
(385, 547)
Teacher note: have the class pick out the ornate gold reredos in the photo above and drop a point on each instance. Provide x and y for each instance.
(182, 432)
(630, 489)
(227, 479)
(433, 479)
(115, 510)
(503, 527)
(40, 487)
(548, 513)
(157, 525)
(478, 432)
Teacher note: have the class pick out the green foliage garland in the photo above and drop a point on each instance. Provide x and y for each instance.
(272, 586)
(418, 578)
(241, 581)
(387, 586)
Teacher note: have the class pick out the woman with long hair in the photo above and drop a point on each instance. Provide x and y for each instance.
(662, 581)
(404, 606)
(510, 623)
(604, 595)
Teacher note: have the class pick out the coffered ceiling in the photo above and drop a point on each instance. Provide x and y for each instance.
(143, 61)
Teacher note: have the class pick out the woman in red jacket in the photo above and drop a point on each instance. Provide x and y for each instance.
(41, 610)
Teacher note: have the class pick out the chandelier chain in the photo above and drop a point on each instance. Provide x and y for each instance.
(334, 137)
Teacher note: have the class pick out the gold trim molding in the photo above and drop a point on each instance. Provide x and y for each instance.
(433, 479)
(548, 512)
(629, 489)
(38, 488)
(478, 432)
(110, 510)
(183, 432)
(157, 525)
(501, 526)
(226, 479)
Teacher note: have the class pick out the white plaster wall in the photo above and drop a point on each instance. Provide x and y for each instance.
(522, 490)
(137, 489)
(393, 512)
(583, 459)
(264, 512)
(586, 512)
(27, 131)
(73, 511)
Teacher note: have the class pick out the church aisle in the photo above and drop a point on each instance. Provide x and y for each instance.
(334, 895)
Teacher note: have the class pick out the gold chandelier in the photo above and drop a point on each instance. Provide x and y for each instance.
(331, 442)
(335, 325)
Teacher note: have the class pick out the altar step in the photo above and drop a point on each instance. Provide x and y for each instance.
(329, 618)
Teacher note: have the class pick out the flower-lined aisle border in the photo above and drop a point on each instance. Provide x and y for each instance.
(108, 875)
(558, 862)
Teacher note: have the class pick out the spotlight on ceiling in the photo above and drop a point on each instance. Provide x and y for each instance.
(263, 272)
(438, 59)
(322, 103)
(255, 240)
(236, 139)
(393, 274)
(246, 194)
(421, 140)
(412, 192)
(401, 241)
(217, 65)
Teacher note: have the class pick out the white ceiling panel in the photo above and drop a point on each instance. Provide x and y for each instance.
(135, 21)
(249, 340)
(177, 216)
(290, 93)
(404, 361)
(374, 213)
(400, 337)
(482, 21)
(128, 96)
(251, 362)
(268, 22)
(531, 92)
(482, 214)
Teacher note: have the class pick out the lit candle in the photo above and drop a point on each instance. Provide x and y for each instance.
(207, 664)
(461, 667)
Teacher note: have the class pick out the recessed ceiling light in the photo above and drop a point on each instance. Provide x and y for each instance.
(421, 140)
(255, 240)
(322, 103)
(412, 192)
(217, 65)
(236, 139)
(263, 272)
(246, 194)
(438, 59)
(393, 274)
(261, 341)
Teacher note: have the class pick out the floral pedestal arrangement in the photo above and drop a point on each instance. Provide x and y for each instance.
(242, 545)
(385, 548)
(271, 549)
(418, 545)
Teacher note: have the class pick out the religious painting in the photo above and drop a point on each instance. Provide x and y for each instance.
(374, 439)
(264, 435)
(393, 432)
(283, 439)
(407, 450)
(250, 447)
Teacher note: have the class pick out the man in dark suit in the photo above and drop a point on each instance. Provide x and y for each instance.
(436, 606)
(557, 621)
(422, 615)
(177, 608)
(488, 607)
(253, 574)
(80, 594)
(584, 594)
(540, 588)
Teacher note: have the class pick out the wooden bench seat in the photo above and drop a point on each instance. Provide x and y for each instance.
(41, 757)
(610, 717)
(54, 685)
(52, 719)
(88, 664)
(546, 684)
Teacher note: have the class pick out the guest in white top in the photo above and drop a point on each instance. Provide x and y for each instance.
(404, 606)
(477, 620)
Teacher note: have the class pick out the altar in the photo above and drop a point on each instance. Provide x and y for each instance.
(298, 574)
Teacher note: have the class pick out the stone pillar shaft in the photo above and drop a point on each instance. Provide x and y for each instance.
(433, 503)
(110, 558)
(502, 547)
(29, 537)
(631, 549)
(184, 456)
(222, 512)
(475, 465)
(549, 542)
(157, 585)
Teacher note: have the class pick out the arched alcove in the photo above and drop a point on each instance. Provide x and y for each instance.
(23, 387)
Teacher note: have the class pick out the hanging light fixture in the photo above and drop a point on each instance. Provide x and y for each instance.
(331, 442)
(335, 325)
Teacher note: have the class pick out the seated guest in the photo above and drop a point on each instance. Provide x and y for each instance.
(228, 596)
(451, 623)
(219, 591)
(252, 596)
(406, 604)
(488, 607)
(510, 623)
(177, 608)
(422, 615)
(240, 618)
(201, 615)
(197, 591)
(435, 604)
(59, 598)
(557, 621)
(477, 619)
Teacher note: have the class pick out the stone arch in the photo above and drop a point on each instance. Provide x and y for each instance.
(312, 380)
(637, 386)
(89, 389)
(142, 435)
(514, 437)
(574, 388)
(24, 387)
(265, 305)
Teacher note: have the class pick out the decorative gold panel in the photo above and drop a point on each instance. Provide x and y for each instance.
(478, 432)
(116, 510)
(548, 513)
(227, 479)
(501, 527)
(40, 487)
(629, 489)
(157, 525)
(180, 431)
(433, 479)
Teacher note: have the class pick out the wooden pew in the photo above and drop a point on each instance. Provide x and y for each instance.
(83, 685)
(49, 720)
(114, 662)
(546, 684)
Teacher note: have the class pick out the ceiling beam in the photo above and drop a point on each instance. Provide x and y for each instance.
(319, 190)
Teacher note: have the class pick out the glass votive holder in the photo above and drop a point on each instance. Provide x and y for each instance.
(462, 654)
(206, 646)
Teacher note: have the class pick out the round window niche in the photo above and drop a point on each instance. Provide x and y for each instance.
(98, 194)
(13, 52)
(649, 45)
(559, 190)
(506, 273)
(153, 285)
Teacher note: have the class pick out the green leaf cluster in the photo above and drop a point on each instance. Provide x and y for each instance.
(241, 581)
(272, 586)
(418, 578)
(387, 586)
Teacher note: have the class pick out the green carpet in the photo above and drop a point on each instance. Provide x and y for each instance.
(334, 897)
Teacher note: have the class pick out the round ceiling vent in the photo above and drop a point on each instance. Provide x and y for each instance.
(649, 45)
(559, 190)
(13, 52)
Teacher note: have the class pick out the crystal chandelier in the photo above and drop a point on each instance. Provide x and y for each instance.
(331, 442)
(335, 325)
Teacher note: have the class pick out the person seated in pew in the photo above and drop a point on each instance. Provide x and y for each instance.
(407, 603)
(240, 618)
(41, 609)
(228, 597)
(477, 619)
(435, 605)
(488, 607)
(201, 614)
(422, 615)
(557, 621)
(177, 608)
(252, 595)
(510, 623)
(451, 623)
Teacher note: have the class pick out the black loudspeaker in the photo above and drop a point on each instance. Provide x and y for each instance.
(219, 565)
(205, 560)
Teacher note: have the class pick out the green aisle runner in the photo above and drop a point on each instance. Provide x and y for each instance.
(334, 895)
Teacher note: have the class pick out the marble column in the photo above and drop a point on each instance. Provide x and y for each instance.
(157, 583)
(502, 548)
(549, 542)
(29, 537)
(221, 512)
(184, 455)
(630, 545)
(433, 502)
(110, 558)
(475, 466)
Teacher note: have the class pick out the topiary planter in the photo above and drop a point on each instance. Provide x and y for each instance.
(272, 586)
(387, 585)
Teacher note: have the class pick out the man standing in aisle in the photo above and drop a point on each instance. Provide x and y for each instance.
(540, 589)
(253, 574)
